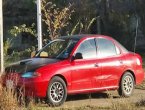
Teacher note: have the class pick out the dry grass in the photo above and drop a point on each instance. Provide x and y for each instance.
(141, 86)
(123, 104)
(8, 100)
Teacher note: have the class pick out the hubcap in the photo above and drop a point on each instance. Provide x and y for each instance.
(56, 92)
(128, 84)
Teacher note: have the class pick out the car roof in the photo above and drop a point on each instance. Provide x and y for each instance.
(78, 37)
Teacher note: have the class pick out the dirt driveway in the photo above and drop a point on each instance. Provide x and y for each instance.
(99, 100)
(102, 99)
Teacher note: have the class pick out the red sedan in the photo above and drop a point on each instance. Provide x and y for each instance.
(77, 64)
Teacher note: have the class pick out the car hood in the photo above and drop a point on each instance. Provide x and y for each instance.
(29, 65)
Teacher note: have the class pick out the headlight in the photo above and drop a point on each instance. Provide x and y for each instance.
(30, 75)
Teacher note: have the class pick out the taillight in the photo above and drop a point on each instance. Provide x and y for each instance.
(138, 62)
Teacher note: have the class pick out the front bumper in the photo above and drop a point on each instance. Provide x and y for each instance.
(35, 87)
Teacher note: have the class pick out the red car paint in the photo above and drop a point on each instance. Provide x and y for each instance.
(85, 75)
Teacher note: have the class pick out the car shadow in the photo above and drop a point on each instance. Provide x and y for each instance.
(79, 97)
(91, 96)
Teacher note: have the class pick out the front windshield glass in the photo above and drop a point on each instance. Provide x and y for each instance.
(60, 48)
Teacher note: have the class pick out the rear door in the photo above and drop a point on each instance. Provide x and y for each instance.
(110, 58)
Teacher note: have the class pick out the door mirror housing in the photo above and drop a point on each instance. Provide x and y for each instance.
(77, 56)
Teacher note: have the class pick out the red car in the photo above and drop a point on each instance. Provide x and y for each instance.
(74, 65)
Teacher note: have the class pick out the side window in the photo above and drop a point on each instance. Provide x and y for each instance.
(117, 50)
(106, 48)
(88, 49)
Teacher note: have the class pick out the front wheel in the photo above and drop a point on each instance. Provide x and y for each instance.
(126, 86)
(57, 92)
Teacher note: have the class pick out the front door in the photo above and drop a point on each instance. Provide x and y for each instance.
(83, 70)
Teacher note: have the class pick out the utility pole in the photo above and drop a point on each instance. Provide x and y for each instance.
(1, 39)
(39, 24)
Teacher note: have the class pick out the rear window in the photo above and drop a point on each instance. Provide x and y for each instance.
(105, 48)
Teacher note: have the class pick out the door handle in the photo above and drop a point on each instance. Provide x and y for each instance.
(96, 65)
(121, 62)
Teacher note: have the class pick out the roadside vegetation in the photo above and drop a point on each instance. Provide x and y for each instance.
(8, 101)
(67, 18)
(113, 18)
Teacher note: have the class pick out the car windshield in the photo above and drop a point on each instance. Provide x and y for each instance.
(60, 49)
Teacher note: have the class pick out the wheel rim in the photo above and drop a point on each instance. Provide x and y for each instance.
(56, 92)
(128, 84)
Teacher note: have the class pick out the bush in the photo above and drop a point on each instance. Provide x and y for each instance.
(16, 56)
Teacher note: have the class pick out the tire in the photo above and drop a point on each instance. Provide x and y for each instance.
(57, 92)
(127, 84)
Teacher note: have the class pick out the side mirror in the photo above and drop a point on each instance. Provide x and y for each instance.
(78, 56)
(33, 54)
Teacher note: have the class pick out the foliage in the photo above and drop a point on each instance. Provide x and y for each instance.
(84, 15)
(19, 8)
(23, 28)
(15, 31)
(16, 56)
(55, 18)
(7, 45)
(61, 19)
(81, 27)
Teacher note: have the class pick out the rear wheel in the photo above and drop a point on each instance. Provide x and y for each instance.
(126, 86)
(57, 92)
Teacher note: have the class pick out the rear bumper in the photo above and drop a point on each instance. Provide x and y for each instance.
(140, 75)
